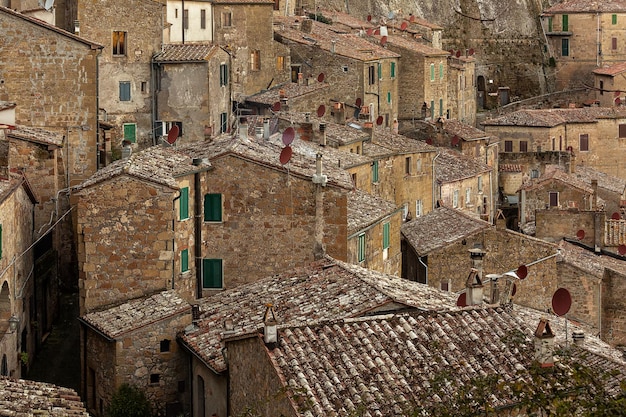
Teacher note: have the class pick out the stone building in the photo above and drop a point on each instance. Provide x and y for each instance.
(18, 305)
(130, 39)
(22, 397)
(302, 96)
(202, 112)
(362, 75)
(135, 343)
(609, 85)
(325, 289)
(464, 183)
(437, 246)
(462, 90)
(583, 36)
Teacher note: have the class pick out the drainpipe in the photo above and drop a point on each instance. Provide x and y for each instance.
(182, 25)
(434, 180)
(197, 195)
(98, 114)
(174, 238)
(599, 45)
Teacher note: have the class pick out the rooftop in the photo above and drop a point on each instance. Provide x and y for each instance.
(37, 135)
(588, 6)
(412, 44)
(454, 166)
(439, 228)
(365, 209)
(463, 131)
(5, 105)
(198, 52)
(394, 143)
(289, 89)
(589, 261)
(555, 117)
(326, 289)
(553, 172)
(29, 398)
(612, 70)
(606, 181)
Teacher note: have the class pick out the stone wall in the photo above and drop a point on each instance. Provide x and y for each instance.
(584, 287)
(538, 198)
(613, 328)
(98, 379)
(554, 225)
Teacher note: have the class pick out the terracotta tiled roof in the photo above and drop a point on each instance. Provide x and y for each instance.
(365, 209)
(592, 263)
(553, 172)
(414, 45)
(555, 117)
(608, 182)
(159, 164)
(395, 143)
(29, 398)
(389, 365)
(510, 168)
(186, 53)
(453, 166)
(35, 134)
(291, 90)
(347, 19)
(611, 70)
(127, 317)
(588, 6)
(336, 134)
(439, 228)
(462, 130)
(322, 36)
(325, 289)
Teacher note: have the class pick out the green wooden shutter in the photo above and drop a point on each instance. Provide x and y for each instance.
(184, 260)
(361, 250)
(130, 132)
(184, 203)
(380, 71)
(393, 70)
(213, 208)
(385, 235)
(432, 72)
(375, 171)
(614, 19)
(565, 25)
(212, 273)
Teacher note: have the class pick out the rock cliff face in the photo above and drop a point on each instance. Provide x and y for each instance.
(506, 35)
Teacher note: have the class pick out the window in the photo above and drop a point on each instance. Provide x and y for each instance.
(385, 235)
(144, 86)
(418, 165)
(184, 203)
(280, 63)
(584, 142)
(203, 19)
(124, 90)
(380, 71)
(184, 260)
(255, 60)
(432, 109)
(165, 345)
(361, 248)
(534, 173)
(223, 122)
(441, 71)
(455, 199)
(523, 146)
(227, 19)
(388, 96)
(371, 75)
(186, 19)
(212, 273)
(223, 75)
(508, 146)
(549, 24)
(565, 23)
(553, 144)
(407, 165)
(130, 132)
(554, 199)
(353, 176)
(622, 131)
(419, 208)
(212, 207)
(613, 43)
(480, 184)
(155, 378)
(468, 196)
(392, 70)
(564, 47)
(614, 19)
(119, 43)
(601, 88)
(440, 107)
(276, 4)
(375, 171)
(432, 72)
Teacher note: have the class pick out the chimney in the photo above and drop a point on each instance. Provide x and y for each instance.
(322, 134)
(477, 255)
(266, 129)
(544, 344)
(307, 117)
(578, 336)
(284, 104)
(338, 110)
(195, 314)
(473, 289)
(76, 27)
(306, 26)
(332, 46)
(270, 331)
(494, 296)
(318, 177)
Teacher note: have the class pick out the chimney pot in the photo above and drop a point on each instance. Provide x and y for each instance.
(578, 336)
(270, 331)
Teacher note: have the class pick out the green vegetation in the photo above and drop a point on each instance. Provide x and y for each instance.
(128, 401)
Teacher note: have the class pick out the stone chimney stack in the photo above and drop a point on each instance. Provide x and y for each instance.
(544, 344)
(579, 337)
(306, 26)
(473, 289)
(270, 331)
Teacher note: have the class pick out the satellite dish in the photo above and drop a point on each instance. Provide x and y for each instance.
(358, 102)
(370, 31)
(321, 110)
(462, 300)
(383, 41)
(429, 141)
(451, 51)
(285, 155)
(458, 54)
(320, 78)
(471, 51)
(514, 290)
(561, 302)
(618, 101)
(580, 235)
(48, 5)
(379, 120)
(276, 106)
(522, 271)
(377, 32)
(403, 26)
(615, 216)
(411, 18)
(172, 135)
(391, 15)
(369, 17)
(617, 93)
(455, 140)
(288, 135)
(621, 249)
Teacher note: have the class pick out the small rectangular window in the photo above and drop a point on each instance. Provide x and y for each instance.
(441, 71)
(385, 235)
(614, 43)
(508, 146)
(119, 43)
(614, 19)
(375, 171)
(584, 142)
(203, 19)
(622, 131)
(523, 146)
(184, 260)
(432, 109)
(432, 72)
(407, 165)
(554, 199)
(213, 208)
(165, 345)
(186, 19)
(549, 24)
(276, 4)
(155, 378)
(468, 196)
(480, 184)
(227, 19)
(388, 96)
(455, 199)
(565, 47)
(223, 75)
(380, 71)
(130, 132)
(280, 63)
(371, 75)
(212, 273)
(361, 249)
(184, 203)
(255, 60)
(223, 122)
(144, 86)
(419, 208)
(392, 70)
(440, 107)
(124, 90)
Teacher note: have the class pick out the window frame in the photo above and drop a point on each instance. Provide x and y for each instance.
(523, 146)
(126, 126)
(386, 235)
(125, 91)
(441, 70)
(186, 19)
(371, 75)
(432, 72)
(621, 130)
(361, 248)
(508, 146)
(207, 265)
(213, 208)
(583, 142)
(419, 208)
(565, 47)
(223, 74)
(554, 194)
(480, 184)
(407, 165)
(375, 178)
(614, 19)
(565, 23)
(184, 260)
(255, 60)
(380, 70)
(455, 199)
(227, 19)
(223, 122)
(202, 18)
(613, 44)
(183, 204)
(468, 196)
(119, 47)
(392, 70)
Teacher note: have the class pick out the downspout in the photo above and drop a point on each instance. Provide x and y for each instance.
(434, 180)
(598, 44)
(197, 196)
(98, 113)
(153, 100)
(174, 238)
(182, 25)
(491, 207)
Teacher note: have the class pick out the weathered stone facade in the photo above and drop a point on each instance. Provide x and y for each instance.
(613, 328)
(462, 89)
